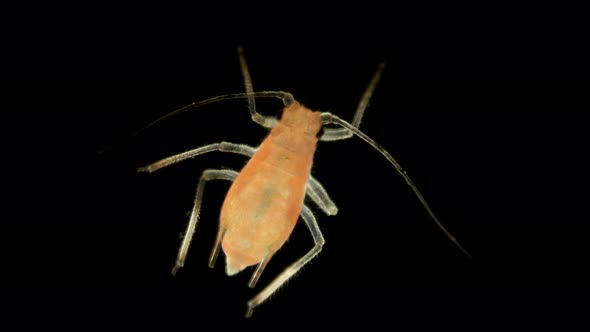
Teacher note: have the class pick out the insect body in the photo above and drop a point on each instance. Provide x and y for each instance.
(264, 203)
(267, 196)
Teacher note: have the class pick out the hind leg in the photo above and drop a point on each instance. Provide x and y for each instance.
(290, 271)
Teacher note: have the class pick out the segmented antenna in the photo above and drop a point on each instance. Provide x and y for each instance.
(328, 118)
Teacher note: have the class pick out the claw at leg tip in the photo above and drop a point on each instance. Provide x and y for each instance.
(175, 269)
(212, 262)
(145, 169)
(249, 311)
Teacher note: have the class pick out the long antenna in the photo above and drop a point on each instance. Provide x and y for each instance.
(287, 97)
(330, 118)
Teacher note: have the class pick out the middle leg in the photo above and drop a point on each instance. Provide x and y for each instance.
(210, 174)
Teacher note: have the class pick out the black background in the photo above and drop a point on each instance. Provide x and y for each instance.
(480, 117)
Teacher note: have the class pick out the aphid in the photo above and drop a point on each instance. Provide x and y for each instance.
(267, 196)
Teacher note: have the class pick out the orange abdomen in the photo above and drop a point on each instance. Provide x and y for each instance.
(264, 202)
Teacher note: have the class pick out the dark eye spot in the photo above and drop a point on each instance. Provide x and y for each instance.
(320, 132)
(280, 114)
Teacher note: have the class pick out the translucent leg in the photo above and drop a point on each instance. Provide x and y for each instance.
(290, 271)
(210, 174)
(314, 189)
(223, 147)
(318, 195)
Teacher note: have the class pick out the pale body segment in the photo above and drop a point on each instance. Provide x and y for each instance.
(266, 198)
